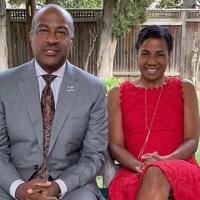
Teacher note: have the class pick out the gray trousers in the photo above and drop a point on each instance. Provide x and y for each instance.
(87, 192)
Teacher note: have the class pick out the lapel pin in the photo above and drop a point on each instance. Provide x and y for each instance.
(70, 88)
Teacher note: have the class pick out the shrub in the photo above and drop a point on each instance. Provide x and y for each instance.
(198, 155)
(111, 82)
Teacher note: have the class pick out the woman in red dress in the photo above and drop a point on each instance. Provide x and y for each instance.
(154, 128)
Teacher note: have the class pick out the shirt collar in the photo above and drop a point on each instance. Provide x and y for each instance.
(58, 73)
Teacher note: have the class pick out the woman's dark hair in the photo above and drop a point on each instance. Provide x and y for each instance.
(154, 31)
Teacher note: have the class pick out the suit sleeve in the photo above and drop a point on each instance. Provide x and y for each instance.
(94, 147)
(8, 173)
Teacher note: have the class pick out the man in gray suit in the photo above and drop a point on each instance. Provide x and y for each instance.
(78, 136)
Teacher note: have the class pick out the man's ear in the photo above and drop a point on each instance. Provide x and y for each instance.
(71, 43)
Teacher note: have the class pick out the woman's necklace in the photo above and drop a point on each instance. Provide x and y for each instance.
(148, 128)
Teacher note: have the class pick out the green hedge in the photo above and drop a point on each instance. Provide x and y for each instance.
(198, 154)
(111, 82)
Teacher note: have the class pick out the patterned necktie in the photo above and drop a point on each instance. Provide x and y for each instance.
(48, 109)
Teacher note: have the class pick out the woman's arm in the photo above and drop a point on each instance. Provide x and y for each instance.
(116, 138)
(191, 127)
(191, 123)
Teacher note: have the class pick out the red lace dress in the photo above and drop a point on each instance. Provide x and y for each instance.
(166, 135)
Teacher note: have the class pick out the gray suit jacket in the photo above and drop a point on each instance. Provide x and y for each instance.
(79, 132)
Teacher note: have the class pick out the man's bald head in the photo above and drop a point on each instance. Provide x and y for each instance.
(58, 9)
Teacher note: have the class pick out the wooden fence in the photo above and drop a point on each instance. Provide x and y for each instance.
(183, 24)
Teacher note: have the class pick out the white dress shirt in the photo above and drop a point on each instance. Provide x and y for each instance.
(55, 86)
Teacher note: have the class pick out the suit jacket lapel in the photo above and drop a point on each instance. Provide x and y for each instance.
(30, 93)
(68, 93)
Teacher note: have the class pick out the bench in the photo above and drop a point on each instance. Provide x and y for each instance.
(107, 174)
(104, 192)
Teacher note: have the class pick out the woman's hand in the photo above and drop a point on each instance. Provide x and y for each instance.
(149, 158)
(139, 169)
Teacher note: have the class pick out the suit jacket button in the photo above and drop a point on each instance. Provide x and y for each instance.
(36, 167)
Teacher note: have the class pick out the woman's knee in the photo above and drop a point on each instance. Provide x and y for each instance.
(154, 184)
(155, 175)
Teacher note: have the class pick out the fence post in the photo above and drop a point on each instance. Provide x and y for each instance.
(9, 40)
(183, 44)
(30, 9)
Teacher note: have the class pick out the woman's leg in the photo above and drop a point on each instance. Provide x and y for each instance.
(154, 185)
